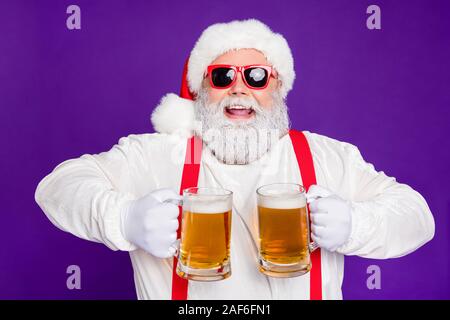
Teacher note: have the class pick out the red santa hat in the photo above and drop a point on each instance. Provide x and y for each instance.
(175, 114)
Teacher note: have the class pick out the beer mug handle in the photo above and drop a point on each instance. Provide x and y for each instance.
(310, 199)
(313, 246)
(174, 249)
(177, 202)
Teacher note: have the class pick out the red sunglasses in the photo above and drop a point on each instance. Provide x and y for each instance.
(223, 76)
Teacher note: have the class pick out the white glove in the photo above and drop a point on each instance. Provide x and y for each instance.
(152, 224)
(331, 219)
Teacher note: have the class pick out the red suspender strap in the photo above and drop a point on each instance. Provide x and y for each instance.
(189, 179)
(306, 166)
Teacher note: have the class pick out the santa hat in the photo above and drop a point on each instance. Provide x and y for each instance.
(175, 114)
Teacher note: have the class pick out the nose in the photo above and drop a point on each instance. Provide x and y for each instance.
(239, 88)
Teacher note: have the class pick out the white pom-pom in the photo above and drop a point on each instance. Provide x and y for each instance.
(174, 115)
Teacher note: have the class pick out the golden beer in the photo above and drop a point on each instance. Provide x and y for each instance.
(283, 224)
(204, 252)
(205, 239)
(283, 235)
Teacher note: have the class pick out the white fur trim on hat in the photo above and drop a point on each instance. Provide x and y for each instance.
(174, 115)
(219, 38)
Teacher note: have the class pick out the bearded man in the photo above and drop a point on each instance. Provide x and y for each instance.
(233, 100)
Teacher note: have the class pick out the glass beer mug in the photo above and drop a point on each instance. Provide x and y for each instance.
(203, 251)
(283, 224)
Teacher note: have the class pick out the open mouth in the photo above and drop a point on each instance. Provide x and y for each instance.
(239, 112)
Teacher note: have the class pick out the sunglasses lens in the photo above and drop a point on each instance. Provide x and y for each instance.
(256, 77)
(222, 77)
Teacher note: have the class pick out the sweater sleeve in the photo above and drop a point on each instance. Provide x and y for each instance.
(389, 219)
(85, 196)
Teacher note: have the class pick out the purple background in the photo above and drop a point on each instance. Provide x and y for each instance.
(65, 93)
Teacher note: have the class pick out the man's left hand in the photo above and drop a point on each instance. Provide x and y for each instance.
(331, 218)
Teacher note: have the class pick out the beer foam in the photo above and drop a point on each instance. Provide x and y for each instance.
(210, 204)
(282, 202)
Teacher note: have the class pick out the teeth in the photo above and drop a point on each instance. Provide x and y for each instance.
(238, 107)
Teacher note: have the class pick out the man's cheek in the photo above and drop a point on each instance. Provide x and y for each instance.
(266, 102)
(214, 97)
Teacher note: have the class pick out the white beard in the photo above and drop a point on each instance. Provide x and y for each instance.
(243, 141)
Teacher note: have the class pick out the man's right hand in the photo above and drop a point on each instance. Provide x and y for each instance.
(152, 224)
